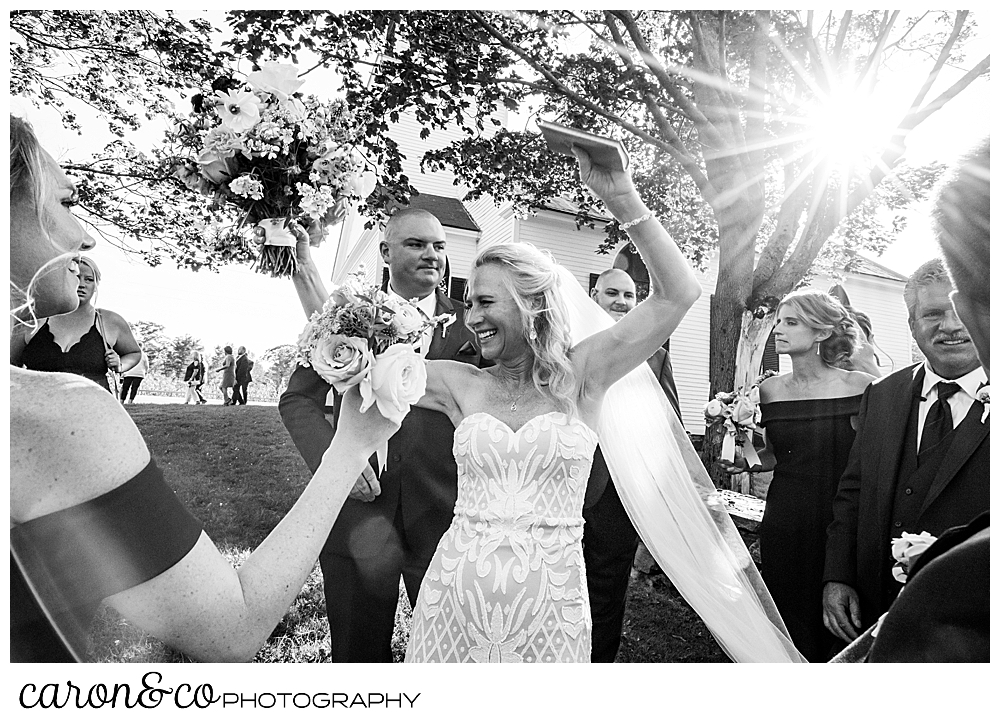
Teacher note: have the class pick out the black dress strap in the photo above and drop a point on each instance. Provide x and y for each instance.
(75, 557)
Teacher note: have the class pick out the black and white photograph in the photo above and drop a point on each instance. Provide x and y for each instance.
(504, 336)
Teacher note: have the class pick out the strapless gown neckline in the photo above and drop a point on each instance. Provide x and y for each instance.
(507, 582)
(536, 418)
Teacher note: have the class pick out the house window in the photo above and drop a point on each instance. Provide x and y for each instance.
(457, 290)
(770, 360)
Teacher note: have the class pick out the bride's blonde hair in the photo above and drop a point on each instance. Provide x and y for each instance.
(532, 281)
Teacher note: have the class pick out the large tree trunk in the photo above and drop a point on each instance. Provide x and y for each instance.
(738, 224)
(750, 352)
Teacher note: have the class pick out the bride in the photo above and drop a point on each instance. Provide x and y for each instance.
(507, 582)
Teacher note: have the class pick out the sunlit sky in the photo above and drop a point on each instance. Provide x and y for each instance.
(238, 306)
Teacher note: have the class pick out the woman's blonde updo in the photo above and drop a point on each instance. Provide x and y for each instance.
(820, 311)
(532, 280)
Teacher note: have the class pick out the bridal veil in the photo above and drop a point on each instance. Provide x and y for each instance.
(675, 507)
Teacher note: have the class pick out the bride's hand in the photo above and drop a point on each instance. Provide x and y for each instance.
(607, 184)
(305, 239)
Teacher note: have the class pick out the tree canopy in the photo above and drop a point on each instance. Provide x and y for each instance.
(736, 121)
(718, 110)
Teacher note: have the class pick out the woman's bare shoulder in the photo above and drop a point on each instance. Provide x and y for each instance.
(856, 382)
(70, 441)
(772, 388)
(451, 369)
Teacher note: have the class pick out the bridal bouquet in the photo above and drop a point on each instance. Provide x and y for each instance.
(738, 412)
(365, 336)
(273, 156)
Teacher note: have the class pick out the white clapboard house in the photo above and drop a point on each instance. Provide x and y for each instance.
(874, 289)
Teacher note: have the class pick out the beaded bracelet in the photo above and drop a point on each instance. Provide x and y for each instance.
(636, 221)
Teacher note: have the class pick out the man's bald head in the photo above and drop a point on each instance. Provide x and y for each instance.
(614, 292)
(414, 249)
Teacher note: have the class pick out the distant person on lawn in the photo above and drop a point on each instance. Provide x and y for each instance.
(243, 366)
(92, 518)
(228, 380)
(132, 378)
(194, 377)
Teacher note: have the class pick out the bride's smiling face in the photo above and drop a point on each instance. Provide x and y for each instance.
(493, 315)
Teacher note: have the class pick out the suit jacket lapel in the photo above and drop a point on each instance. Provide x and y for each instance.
(968, 436)
(443, 340)
(894, 422)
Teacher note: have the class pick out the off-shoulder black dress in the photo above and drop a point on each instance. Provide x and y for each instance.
(811, 440)
(70, 560)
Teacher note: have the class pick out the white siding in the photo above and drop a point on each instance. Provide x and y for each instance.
(494, 224)
(689, 356)
(576, 249)
(461, 251)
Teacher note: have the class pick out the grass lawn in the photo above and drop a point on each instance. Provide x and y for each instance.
(237, 470)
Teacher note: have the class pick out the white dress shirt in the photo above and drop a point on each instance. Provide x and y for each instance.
(960, 402)
(428, 305)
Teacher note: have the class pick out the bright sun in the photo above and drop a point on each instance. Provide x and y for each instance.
(849, 127)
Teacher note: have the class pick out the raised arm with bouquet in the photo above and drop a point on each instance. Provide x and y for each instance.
(267, 156)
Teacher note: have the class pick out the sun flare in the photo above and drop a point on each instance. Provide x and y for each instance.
(848, 127)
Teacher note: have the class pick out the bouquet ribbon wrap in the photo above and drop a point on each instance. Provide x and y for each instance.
(734, 436)
(275, 233)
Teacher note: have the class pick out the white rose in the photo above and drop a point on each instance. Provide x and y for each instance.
(408, 320)
(713, 409)
(343, 361)
(397, 379)
(743, 412)
(279, 79)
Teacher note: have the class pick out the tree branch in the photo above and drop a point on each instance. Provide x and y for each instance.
(710, 134)
(942, 58)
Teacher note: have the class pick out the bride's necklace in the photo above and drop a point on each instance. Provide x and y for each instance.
(514, 399)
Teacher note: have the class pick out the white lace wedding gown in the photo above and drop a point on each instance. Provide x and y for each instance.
(507, 582)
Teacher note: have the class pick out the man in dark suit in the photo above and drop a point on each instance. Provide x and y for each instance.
(920, 460)
(391, 524)
(943, 611)
(609, 539)
(243, 378)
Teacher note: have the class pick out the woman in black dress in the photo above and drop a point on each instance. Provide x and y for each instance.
(87, 341)
(92, 517)
(808, 416)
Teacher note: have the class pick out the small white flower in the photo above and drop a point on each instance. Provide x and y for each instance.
(248, 187)
(983, 395)
(448, 322)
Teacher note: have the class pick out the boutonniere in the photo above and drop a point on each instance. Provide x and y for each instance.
(448, 322)
(983, 395)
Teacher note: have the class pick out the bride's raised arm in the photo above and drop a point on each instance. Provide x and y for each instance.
(609, 355)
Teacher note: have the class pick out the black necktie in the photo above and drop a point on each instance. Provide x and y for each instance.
(938, 423)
